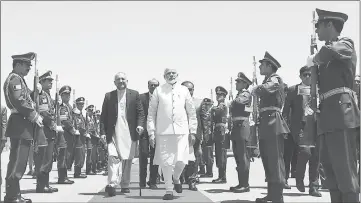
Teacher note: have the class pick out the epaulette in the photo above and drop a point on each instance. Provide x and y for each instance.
(348, 41)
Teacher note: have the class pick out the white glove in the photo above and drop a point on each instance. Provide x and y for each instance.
(87, 135)
(252, 123)
(39, 121)
(308, 111)
(310, 61)
(139, 130)
(227, 131)
(152, 140)
(39, 87)
(252, 89)
(59, 129)
(77, 132)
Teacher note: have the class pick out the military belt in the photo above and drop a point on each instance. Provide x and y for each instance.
(220, 125)
(269, 108)
(239, 118)
(335, 91)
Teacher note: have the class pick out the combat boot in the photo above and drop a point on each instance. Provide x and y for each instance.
(13, 194)
(63, 179)
(41, 184)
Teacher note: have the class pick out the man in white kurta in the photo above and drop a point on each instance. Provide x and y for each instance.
(171, 124)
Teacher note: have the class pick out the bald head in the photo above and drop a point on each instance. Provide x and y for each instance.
(121, 81)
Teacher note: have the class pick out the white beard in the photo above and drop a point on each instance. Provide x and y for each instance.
(172, 82)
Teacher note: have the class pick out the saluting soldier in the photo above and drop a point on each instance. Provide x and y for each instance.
(339, 118)
(240, 134)
(67, 121)
(220, 123)
(21, 124)
(79, 150)
(272, 128)
(207, 145)
(44, 154)
(91, 167)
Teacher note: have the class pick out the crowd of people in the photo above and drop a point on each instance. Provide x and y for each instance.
(178, 132)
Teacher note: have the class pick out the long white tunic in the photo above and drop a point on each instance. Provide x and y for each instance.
(122, 145)
(171, 117)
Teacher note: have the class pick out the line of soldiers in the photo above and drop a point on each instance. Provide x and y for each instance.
(335, 144)
(48, 126)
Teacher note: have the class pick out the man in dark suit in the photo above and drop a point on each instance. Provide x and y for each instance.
(121, 124)
(293, 110)
(144, 147)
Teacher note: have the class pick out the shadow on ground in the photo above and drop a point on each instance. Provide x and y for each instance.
(236, 201)
(148, 197)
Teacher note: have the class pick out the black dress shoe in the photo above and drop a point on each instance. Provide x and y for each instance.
(219, 180)
(65, 182)
(53, 189)
(125, 190)
(80, 176)
(263, 199)
(17, 200)
(43, 190)
(241, 190)
(168, 197)
(23, 200)
(110, 190)
(178, 188)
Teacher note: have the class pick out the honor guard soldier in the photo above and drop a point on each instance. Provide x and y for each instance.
(357, 90)
(44, 154)
(240, 131)
(297, 99)
(102, 145)
(67, 121)
(220, 119)
(92, 158)
(207, 145)
(272, 128)
(339, 118)
(22, 121)
(79, 151)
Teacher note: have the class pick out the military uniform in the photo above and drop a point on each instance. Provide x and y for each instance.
(339, 118)
(4, 120)
(207, 128)
(65, 154)
(80, 140)
(240, 134)
(20, 127)
(92, 157)
(272, 128)
(101, 145)
(43, 156)
(219, 119)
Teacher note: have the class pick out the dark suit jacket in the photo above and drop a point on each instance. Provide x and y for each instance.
(144, 98)
(293, 110)
(109, 115)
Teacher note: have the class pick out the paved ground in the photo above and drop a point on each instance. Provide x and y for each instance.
(91, 189)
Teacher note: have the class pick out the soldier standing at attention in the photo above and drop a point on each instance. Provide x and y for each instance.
(79, 150)
(91, 168)
(4, 120)
(207, 145)
(220, 123)
(44, 154)
(272, 128)
(21, 125)
(339, 118)
(240, 110)
(67, 121)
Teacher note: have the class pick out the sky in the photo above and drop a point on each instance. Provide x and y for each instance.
(208, 42)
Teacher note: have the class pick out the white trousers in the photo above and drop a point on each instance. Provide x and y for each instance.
(119, 172)
(170, 171)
